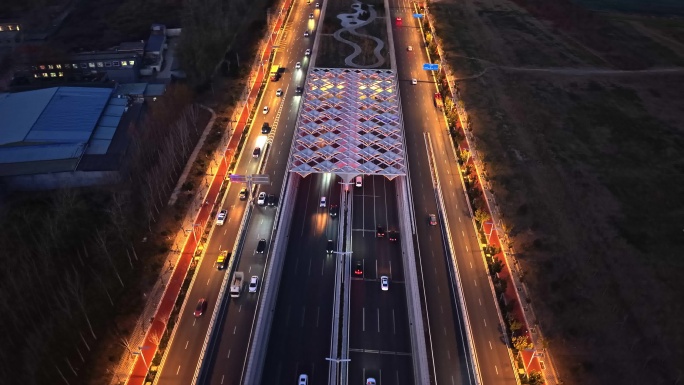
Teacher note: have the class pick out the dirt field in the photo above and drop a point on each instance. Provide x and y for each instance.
(587, 163)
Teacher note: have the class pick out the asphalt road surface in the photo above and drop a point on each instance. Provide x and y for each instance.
(229, 357)
(379, 336)
(451, 364)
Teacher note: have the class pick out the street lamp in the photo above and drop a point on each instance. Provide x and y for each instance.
(140, 353)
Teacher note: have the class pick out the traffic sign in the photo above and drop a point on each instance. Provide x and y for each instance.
(431, 67)
(238, 178)
(418, 15)
(260, 179)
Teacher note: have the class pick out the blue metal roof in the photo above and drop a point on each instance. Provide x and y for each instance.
(56, 123)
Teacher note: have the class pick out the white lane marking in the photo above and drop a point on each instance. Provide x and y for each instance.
(364, 320)
(186, 344)
(485, 321)
(378, 320)
(228, 356)
(178, 370)
(480, 301)
(490, 345)
(234, 329)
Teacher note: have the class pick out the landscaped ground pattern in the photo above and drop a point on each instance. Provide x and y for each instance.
(588, 168)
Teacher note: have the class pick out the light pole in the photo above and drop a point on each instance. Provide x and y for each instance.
(338, 360)
(140, 353)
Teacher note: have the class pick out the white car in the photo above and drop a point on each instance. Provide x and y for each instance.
(221, 217)
(358, 181)
(261, 200)
(318, 5)
(307, 52)
(414, 81)
(253, 284)
(306, 33)
(370, 381)
(298, 65)
(311, 16)
(279, 92)
(303, 379)
(384, 283)
(323, 200)
(409, 48)
(265, 110)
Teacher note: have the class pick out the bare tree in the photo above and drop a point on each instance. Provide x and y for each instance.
(101, 242)
(75, 289)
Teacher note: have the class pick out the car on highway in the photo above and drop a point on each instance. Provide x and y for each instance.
(318, 5)
(201, 307)
(433, 219)
(334, 210)
(243, 194)
(298, 65)
(307, 52)
(256, 152)
(253, 284)
(370, 381)
(323, 202)
(359, 180)
(409, 48)
(279, 92)
(222, 260)
(358, 268)
(221, 217)
(380, 232)
(261, 199)
(384, 283)
(303, 379)
(398, 20)
(311, 16)
(271, 200)
(306, 33)
(265, 110)
(261, 246)
(330, 246)
(393, 236)
(275, 77)
(414, 81)
(265, 128)
(299, 90)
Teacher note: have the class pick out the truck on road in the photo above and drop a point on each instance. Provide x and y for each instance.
(439, 103)
(236, 285)
(275, 72)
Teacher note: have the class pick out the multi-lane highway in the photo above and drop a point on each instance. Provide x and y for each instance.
(420, 116)
(227, 361)
(300, 335)
(379, 342)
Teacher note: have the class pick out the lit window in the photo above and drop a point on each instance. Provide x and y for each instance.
(51, 67)
(131, 62)
(91, 65)
(36, 76)
(53, 75)
(1, 29)
(100, 64)
(58, 66)
(42, 67)
(124, 63)
(45, 74)
(74, 66)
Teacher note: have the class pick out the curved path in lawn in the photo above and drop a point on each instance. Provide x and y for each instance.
(350, 22)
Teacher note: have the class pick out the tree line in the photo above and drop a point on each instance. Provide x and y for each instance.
(71, 257)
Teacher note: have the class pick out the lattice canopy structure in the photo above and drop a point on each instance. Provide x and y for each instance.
(349, 123)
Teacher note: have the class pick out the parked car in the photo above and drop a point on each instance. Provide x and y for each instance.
(261, 246)
(201, 307)
(261, 200)
(221, 217)
(253, 284)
